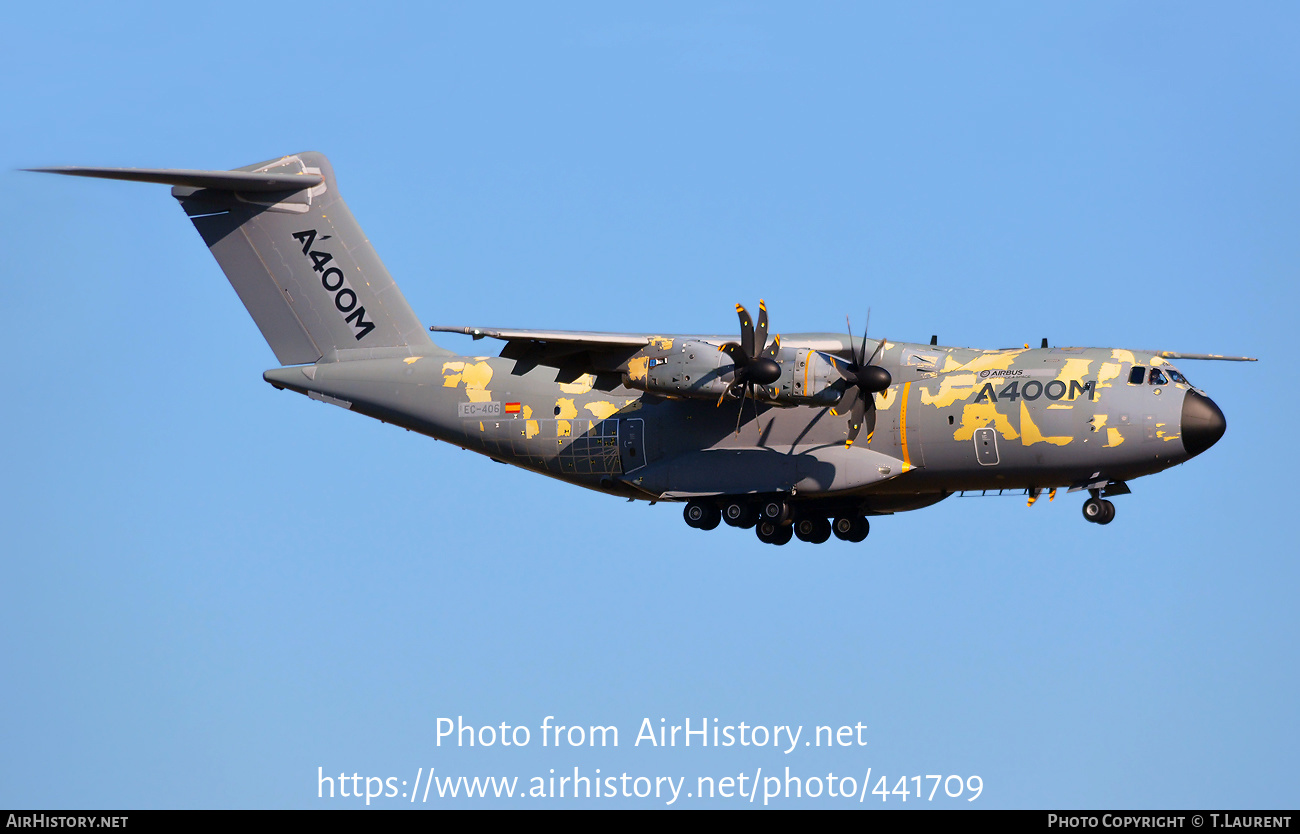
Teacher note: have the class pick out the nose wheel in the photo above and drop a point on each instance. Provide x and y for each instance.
(1099, 511)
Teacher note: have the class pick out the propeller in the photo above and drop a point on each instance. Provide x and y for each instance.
(864, 379)
(754, 360)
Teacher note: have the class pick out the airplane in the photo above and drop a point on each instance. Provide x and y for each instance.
(806, 435)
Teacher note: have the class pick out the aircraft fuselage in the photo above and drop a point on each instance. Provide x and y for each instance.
(807, 435)
(954, 419)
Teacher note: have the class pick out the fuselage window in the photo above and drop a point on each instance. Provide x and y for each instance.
(1157, 378)
(1135, 376)
(1177, 377)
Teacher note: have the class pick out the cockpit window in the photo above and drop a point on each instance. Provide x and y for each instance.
(1136, 375)
(1158, 378)
(1177, 377)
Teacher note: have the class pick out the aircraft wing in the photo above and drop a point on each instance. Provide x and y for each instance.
(576, 338)
(577, 352)
(588, 339)
(1170, 354)
(572, 352)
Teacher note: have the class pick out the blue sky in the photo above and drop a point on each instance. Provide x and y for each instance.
(198, 611)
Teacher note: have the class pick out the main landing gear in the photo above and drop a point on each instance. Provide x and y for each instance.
(851, 529)
(740, 514)
(813, 529)
(702, 516)
(1098, 510)
(775, 521)
(769, 532)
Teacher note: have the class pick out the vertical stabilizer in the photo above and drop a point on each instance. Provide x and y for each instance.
(301, 264)
(293, 252)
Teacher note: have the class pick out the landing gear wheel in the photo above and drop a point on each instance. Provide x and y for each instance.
(851, 529)
(813, 530)
(770, 533)
(739, 514)
(1094, 509)
(1109, 512)
(702, 516)
(776, 511)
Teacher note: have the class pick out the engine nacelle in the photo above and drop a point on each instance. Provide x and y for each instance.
(699, 369)
(810, 379)
(688, 368)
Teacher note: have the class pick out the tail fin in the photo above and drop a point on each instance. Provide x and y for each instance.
(294, 254)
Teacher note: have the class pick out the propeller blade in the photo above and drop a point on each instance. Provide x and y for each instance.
(848, 401)
(746, 332)
(747, 394)
(862, 380)
(875, 354)
(736, 353)
(865, 330)
(753, 367)
(774, 348)
(852, 405)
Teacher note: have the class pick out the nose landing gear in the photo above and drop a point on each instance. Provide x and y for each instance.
(1098, 510)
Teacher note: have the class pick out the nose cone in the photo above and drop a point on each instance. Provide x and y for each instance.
(1203, 423)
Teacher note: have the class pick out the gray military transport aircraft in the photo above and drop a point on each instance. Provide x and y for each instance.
(807, 434)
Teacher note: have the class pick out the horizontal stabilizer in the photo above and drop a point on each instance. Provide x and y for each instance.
(246, 181)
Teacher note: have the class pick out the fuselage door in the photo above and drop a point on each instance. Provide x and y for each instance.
(631, 443)
(986, 446)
